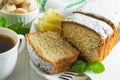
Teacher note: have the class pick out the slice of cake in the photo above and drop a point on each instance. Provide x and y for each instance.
(50, 52)
(92, 37)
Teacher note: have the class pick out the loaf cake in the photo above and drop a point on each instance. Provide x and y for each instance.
(50, 52)
(94, 28)
(104, 10)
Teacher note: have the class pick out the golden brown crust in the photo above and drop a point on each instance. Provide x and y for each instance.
(106, 48)
(65, 64)
(112, 40)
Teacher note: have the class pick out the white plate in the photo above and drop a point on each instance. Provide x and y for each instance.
(111, 63)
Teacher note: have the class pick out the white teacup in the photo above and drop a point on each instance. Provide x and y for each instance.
(8, 58)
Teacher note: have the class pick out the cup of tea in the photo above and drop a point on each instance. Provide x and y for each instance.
(11, 44)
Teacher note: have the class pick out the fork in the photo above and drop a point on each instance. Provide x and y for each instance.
(72, 75)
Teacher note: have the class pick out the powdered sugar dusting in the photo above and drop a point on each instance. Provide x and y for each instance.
(108, 9)
(99, 26)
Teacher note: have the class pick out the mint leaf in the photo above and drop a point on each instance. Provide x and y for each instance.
(3, 22)
(15, 27)
(79, 66)
(18, 28)
(96, 67)
(23, 30)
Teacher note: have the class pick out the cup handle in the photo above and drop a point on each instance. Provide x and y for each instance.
(22, 43)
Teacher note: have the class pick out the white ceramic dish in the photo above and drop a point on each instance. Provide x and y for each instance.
(26, 18)
(111, 63)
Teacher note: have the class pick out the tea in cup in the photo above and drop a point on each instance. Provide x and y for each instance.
(10, 45)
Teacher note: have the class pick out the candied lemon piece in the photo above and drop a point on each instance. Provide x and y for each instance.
(52, 12)
(51, 20)
(53, 17)
(43, 26)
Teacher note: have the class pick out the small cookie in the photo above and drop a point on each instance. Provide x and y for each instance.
(20, 11)
(16, 2)
(8, 8)
(29, 5)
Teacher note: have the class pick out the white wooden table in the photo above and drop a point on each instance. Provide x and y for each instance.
(23, 70)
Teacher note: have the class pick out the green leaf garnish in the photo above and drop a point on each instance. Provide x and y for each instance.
(96, 67)
(18, 28)
(23, 30)
(79, 66)
(15, 27)
(3, 22)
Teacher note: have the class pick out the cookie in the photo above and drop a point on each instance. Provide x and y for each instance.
(8, 8)
(19, 11)
(29, 5)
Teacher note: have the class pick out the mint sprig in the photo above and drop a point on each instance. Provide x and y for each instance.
(17, 27)
(95, 66)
